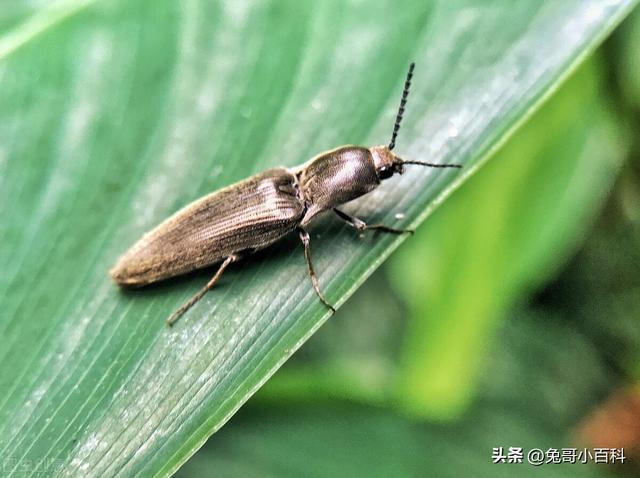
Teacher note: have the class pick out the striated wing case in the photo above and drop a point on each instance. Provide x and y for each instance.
(245, 216)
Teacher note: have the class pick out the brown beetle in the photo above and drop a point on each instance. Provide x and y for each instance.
(233, 222)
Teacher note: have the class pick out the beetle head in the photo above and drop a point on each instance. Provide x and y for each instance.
(387, 164)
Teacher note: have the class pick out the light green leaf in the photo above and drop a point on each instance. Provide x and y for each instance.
(113, 114)
(628, 62)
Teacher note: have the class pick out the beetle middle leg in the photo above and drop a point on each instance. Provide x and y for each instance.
(198, 295)
(304, 237)
(360, 225)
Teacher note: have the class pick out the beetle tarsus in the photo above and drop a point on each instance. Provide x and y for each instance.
(198, 295)
(360, 225)
(304, 237)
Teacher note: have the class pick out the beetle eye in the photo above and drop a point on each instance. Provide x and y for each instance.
(385, 172)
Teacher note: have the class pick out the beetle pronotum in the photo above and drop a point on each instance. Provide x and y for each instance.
(233, 222)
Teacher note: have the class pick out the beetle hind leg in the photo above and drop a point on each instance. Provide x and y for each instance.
(198, 295)
(304, 237)
(360, 225)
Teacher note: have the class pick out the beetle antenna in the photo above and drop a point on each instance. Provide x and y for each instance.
(403, 102)
(433, 165)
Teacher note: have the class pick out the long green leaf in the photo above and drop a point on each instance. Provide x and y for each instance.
(113, 114)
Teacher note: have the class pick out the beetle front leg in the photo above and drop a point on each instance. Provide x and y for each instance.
(304, 237)
(360, 225)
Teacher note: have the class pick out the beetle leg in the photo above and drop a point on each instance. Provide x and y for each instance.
(190, 303)
(360, 225)
(304, 237)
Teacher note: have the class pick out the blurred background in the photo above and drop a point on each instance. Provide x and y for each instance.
(510, 319)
